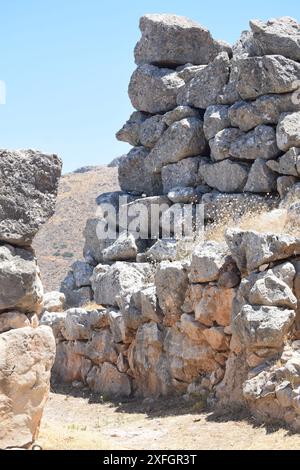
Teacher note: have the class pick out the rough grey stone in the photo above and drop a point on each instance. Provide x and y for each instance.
(174, 40)
(264, 110)
(278, 36)
(261, 179)
(94, 244)
(257, 76)
(124, 248)
(263, 327)
(53, 302)
(246, 46)
(120, 279)
(226, 176)
(183, 173)
(130, 132)
(20, 285)
(285, 185)
(82, 273)
(288, 131)
(179, 113)
(261, 142)
(136, 176)
(182, 195)
(151, 131)
(251, 249)
(163, 250)
(221, 143)
(183, 139)
(288, 164)
(203, 90)
(215, 120)
(154, 90)
(171, 280)
(29, 183)
(270, 290)
(207, 260)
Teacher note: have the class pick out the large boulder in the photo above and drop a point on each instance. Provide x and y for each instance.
(288, 164)
(263, 327)
(207, 260)
(171, 280)
(252, 249)
(136, 176)
(257, 76)
(181, 174)
(288, 131)
(225, 176)
(54, 302)
(130, 132)
(183, 139)
(154, 90)
(148, 362)
(261, 178)
(264, 110)
(26, 359)
(175, 40)
(152, 130)
(20, 285)
(221, 143)
(204, 89)
(108, 381)
(215, 120)
(278, 36)
(29, 182)
(120, 279)
(123, 249)
(261, 142)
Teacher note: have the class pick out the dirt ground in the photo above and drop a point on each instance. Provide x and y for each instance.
(84, 422)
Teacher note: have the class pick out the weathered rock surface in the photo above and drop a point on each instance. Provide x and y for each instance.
(29, 182)
(261, 142)
(124, 248)
(179, 113)
(183, 139)
(20, 285)
(207, 261)
(252, 249)
(288, 164)
(136, 176)
(261, 178)
(130, 132)
(154, 90)
(215, 120)
(264, 110)
(183, 173)
(54, 302)
(220, 144)
(278, 36)
(257, 76)
(175, 40)
(152, 130)
(203, 90)
(26, 358)
(120, 279)
(109, 381)
(226, 176)
(288, 131)
(14, 320)
(263, 327)
(171, 280)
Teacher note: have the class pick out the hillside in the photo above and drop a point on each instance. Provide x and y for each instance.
(60, 241)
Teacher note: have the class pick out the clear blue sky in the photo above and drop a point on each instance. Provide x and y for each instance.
(67, 63)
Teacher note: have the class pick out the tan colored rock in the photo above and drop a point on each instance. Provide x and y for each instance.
(216, 338)
(109, 381)
(12, 321)
(215, 305)
(26, 358)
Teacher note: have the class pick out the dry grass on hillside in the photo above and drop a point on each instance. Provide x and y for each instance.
(60, 242)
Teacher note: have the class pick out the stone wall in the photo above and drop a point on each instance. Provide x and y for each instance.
(218, 126)
(28, 187)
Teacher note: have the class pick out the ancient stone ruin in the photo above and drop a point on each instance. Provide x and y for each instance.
(28, 187)
(201, 316)
(220, 127)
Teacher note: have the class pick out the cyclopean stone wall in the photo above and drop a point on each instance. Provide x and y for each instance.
(219, 126)
(28, 187)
